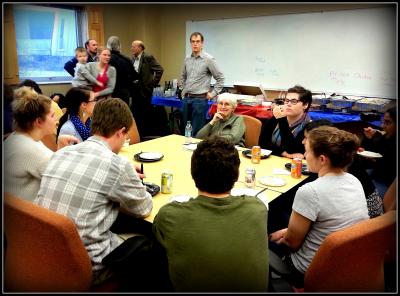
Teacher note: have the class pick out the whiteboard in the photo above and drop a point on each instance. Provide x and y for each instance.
(348, 52)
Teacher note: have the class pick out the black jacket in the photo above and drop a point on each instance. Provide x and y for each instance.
(289, 143)
(126, 74)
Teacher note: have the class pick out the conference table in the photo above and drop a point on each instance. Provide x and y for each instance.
(176, 159)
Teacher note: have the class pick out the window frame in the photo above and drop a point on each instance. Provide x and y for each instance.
(81, 21)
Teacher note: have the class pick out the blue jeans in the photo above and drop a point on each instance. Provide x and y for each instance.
(195, 110)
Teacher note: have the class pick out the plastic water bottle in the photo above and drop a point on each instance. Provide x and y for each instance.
(188, 133)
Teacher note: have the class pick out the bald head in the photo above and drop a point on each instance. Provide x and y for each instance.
(137, 47)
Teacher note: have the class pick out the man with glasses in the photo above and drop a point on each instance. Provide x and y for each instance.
(283, 133)
(195, 81)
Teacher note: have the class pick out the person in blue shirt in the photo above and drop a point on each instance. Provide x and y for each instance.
(91, 47)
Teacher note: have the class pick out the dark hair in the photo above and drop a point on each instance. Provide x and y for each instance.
(196, 34)
(215, 165)
(316, 123)
(62, 102)
(338, 145)
(29, 106)
(32, 84)
(392, 113)
(305, 95)
(109, 116)
(87, 43)
(73, 100)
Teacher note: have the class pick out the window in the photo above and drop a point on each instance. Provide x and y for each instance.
(46, 39)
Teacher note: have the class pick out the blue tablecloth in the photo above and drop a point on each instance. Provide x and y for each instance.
(167, 101)
(334, 117)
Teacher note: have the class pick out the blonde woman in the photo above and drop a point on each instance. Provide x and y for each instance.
(225, 123)
(25, 156)
(103, 72)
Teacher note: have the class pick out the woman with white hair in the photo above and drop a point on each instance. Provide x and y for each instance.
(225, 123)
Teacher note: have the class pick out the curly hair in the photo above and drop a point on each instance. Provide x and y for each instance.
(215, 165)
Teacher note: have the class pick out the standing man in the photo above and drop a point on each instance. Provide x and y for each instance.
(198, 69)
(125, 72)
(149, 72)
(93, 186)
(91, 48)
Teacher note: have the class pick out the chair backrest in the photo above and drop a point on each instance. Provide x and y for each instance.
(44, 251)
(50, 142)
(253, 130)
(134, 134)
(352, 259)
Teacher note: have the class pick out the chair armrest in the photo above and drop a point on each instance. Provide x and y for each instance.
(277, 265)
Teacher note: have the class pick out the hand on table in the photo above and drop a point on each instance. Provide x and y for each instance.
(293, 155)
(138, 170)
(66, 140)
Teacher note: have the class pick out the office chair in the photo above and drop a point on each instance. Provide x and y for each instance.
(133, 133)
(351, 259)
(135, 137)
(50, 142)
(44, 252)
(253, 130)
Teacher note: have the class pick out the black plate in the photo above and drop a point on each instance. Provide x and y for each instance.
(138, 158)
(247, 153)
(304, 169)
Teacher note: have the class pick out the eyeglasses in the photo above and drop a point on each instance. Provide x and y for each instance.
(386, 122)
(292, 101)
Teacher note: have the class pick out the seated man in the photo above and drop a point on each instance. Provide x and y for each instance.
(90, 183)
(215, 242)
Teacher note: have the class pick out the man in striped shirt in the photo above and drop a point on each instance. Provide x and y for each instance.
(91, 184)
(197, 72)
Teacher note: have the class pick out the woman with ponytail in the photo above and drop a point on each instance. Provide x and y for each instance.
(76, 120)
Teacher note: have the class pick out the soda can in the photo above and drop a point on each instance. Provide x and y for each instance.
(250, 177)
(166, 182)
(255, 154)
(296, 167)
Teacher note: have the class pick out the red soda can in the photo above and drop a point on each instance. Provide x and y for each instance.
(296, 167)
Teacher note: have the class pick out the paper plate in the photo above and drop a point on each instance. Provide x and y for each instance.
(370, 154)
(272, 181)
(264, 153)
(180, 198)
(148, 156)
(191, 146)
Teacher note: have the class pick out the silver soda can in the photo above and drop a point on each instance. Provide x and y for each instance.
(250, 177)
(166, 182)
